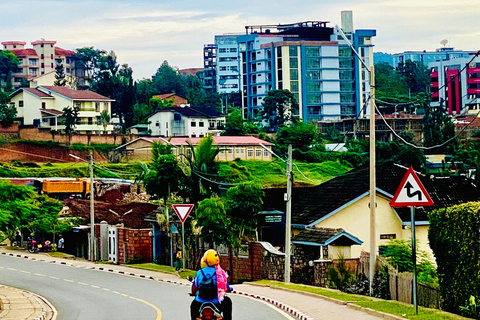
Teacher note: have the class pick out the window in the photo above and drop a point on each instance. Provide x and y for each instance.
(314, 86)
(33, 72)
(312, 51)
(157, 124)
(166, 126)
(20, 104)
(233, 68)
(233, 49)
(293, 51)
(240, 150)
(97, 106)
(250, 152)
(230, 150)
(90, 120)
(266, 153)
(314, 98)
(294, 74)
(313, 63)
(193, 124)
(222, 50)
(258, 153)
(293, 62)
(223, 68)
(44, 105)
(32, 62)
(294, 85)
(201, 124)
(41, 56)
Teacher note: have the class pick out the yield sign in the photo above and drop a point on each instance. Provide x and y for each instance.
(182, 210)
(411, 192)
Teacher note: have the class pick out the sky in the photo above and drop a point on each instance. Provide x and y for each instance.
(144, 33)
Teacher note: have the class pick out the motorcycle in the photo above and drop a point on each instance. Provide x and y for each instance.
(209, 311)
(35, 247)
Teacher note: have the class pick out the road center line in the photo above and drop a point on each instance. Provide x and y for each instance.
(12, 269)
(94, 286)
(52, 277)
(40, 274)
(68, 280)
(83, 283)
(159, 312)
(23, 271)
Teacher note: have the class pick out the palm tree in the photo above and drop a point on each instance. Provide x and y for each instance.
(104, 119)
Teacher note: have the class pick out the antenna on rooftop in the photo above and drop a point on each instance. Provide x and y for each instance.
(444, 42)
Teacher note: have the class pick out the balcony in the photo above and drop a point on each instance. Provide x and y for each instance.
(473, 90)
(473, 80)
(473, 70)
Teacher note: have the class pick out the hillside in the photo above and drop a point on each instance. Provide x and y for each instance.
(268, 174)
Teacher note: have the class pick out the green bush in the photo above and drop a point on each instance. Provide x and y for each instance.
(454, 237)
(339, 276)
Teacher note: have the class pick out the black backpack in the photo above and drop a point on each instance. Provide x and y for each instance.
(206, 287)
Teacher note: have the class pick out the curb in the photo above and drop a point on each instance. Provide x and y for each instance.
(44, 303)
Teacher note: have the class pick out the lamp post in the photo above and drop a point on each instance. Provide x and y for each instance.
(92, 206)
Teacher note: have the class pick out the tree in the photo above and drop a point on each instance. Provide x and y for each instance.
(203, 166)
(195, 93)
(416, 75)
(212, 218)
(300, 135)
(21, 208)
(8, 64)
(168, 80)
(243, 203)
(140, 113)
(278, 108)
(70, 116)
(234, 126)
(8, 112)
(157, 103)
(437, 128)
(60, 80)
(104, 119)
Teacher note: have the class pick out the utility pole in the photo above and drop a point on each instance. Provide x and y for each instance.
(373, 201)
(92, 211)
(288, 218)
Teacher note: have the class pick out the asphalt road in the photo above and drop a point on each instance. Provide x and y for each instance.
(83, 294)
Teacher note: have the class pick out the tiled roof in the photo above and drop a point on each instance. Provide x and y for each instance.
(63, 52)
(76, 94)
(310, 204)
(222, 141)
(165, 96)
(37, 92)
(208, 112)
(325, 236)
(24, 52)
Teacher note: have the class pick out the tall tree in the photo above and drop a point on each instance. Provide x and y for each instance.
(416, 75)
(437, 128)
(8, 64)
(195, 93)
(300, 135)
(168, 80)
(278, 107)
(243, 203)
(60, 80)
(8, 112)
(212, 218)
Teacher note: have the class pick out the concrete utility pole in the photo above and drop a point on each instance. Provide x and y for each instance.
(373, 201)
(92, 211)
(288, 218)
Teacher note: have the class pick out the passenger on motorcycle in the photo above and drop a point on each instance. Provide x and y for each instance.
(210, 285)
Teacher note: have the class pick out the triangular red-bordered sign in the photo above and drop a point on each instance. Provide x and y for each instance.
(411, 192)
(182, 210)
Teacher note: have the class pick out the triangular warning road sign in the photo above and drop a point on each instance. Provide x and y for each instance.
(411, 192)
(182, 210)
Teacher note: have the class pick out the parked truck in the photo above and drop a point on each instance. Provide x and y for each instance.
(62, 189)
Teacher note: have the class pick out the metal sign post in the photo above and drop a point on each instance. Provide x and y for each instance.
(183, 210)
(412, 193)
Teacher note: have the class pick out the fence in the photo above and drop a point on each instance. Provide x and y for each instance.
(401, 285)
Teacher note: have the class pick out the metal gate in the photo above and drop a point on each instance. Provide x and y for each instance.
(112, 244)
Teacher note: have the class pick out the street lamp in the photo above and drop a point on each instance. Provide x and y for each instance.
(92, 208)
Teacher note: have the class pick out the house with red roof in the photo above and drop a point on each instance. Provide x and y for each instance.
(41, 59)
(231, 147)
(43, 106)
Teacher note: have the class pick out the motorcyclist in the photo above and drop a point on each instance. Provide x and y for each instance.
(210, 265)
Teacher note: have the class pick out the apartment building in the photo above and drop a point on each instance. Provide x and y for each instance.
(427, 57)
(455, 83)
(310, 59)
(40, 59)
(43, 107)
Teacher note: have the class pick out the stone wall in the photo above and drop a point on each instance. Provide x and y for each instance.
(134, 243)
(273, 267)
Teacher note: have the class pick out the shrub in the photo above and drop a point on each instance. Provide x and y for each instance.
(339, 275)
(454, 237)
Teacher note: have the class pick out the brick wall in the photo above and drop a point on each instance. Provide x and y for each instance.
(11, 129)
(244, 267)
(34, 133)
(134, 243)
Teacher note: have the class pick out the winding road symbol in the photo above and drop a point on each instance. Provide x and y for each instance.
(410, 194)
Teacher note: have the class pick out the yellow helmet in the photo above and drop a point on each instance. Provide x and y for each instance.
(210, 258)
